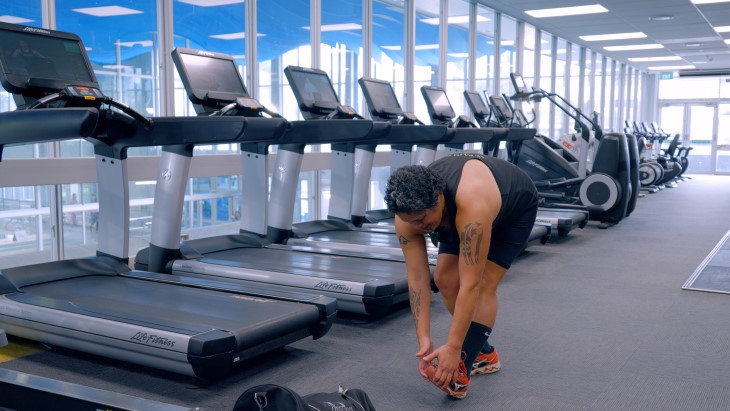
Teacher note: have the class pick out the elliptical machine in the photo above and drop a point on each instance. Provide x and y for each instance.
(607, 192)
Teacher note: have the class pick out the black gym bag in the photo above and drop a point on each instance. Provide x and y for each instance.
(272, 397)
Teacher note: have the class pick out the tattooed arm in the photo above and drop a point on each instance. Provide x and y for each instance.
(478, 202)
(413, 245)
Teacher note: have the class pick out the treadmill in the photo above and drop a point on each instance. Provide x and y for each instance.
(562, 221)
(383, 105)
(365, 282)
(97, 304)
(337, 231)
(442, 112)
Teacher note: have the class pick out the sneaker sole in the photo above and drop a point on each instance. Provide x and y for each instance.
(487, 369)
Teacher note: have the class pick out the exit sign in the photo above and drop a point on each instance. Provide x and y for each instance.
(666, 76)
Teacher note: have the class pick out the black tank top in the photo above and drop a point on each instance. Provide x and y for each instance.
(515, 187)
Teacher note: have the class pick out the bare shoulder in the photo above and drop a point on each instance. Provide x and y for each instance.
(477, 188)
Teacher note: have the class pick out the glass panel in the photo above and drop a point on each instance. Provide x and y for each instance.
(426, 66)
(701, 124)
(560, 125)
(689, 88)
(598, 84)
(508, 53)
(280, 45)
(27, 14)
(25, 226)
(528, 57)
(485, 50)
(722, 162)
(387, 64)
(387, 48)
(546, 71)
(25, 234)
(341, 49)
(458, 55)
(223, 32)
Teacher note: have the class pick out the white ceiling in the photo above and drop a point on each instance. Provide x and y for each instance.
(689, 33)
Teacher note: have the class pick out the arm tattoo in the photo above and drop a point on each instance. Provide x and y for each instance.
(414, 297)
(402, 240)
(471, 241)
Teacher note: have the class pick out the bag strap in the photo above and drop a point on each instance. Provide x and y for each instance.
(343, 392)
(261, 400)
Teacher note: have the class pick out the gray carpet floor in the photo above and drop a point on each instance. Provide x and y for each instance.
(598, 321)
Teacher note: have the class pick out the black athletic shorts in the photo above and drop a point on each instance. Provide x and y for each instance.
(507, 242)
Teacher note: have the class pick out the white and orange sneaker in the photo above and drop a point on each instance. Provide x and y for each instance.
(486, 363)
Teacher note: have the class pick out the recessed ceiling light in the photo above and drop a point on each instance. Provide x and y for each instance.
(709, 1)
(210, 3)
(337, 27)
(634, 47)
(692, 44)
(232, 36)
(229, 36)
(140, 43)
(615, 36)
(14, 20)
(107, 11)
(672, 67)
(722, 29)
(727, 41)
(663, 17)
(663, 58)
(454, 20)
(567, 11)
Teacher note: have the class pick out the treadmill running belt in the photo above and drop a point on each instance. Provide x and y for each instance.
(315, 265)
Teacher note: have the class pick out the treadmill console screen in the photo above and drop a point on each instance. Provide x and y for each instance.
(438, 103)
(501, 109)
(476, 103)
(381, 98)
(312, 88)
(209, 77)
(34, 60)
(519, 83)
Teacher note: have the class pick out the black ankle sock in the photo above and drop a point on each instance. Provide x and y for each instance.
(476, 337)
(487, 349)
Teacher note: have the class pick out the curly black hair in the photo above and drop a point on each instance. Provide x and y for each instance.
(412, 189)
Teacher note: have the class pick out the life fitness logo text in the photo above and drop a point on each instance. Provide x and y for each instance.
(36, 30)
(152, 339)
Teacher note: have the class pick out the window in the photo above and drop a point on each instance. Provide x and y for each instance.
(485, 50)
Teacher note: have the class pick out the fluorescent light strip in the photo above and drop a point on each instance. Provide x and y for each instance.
(210, 3)
(616, 36)
(664, 58)
(634, 47)
(107, 11)
(660, 68)
(727, 41)
(337, 27)
(709, 1)
(454, 20)
(14, 20)
(229, 36)
(140, 43)
(567, 11)
(722, 29)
